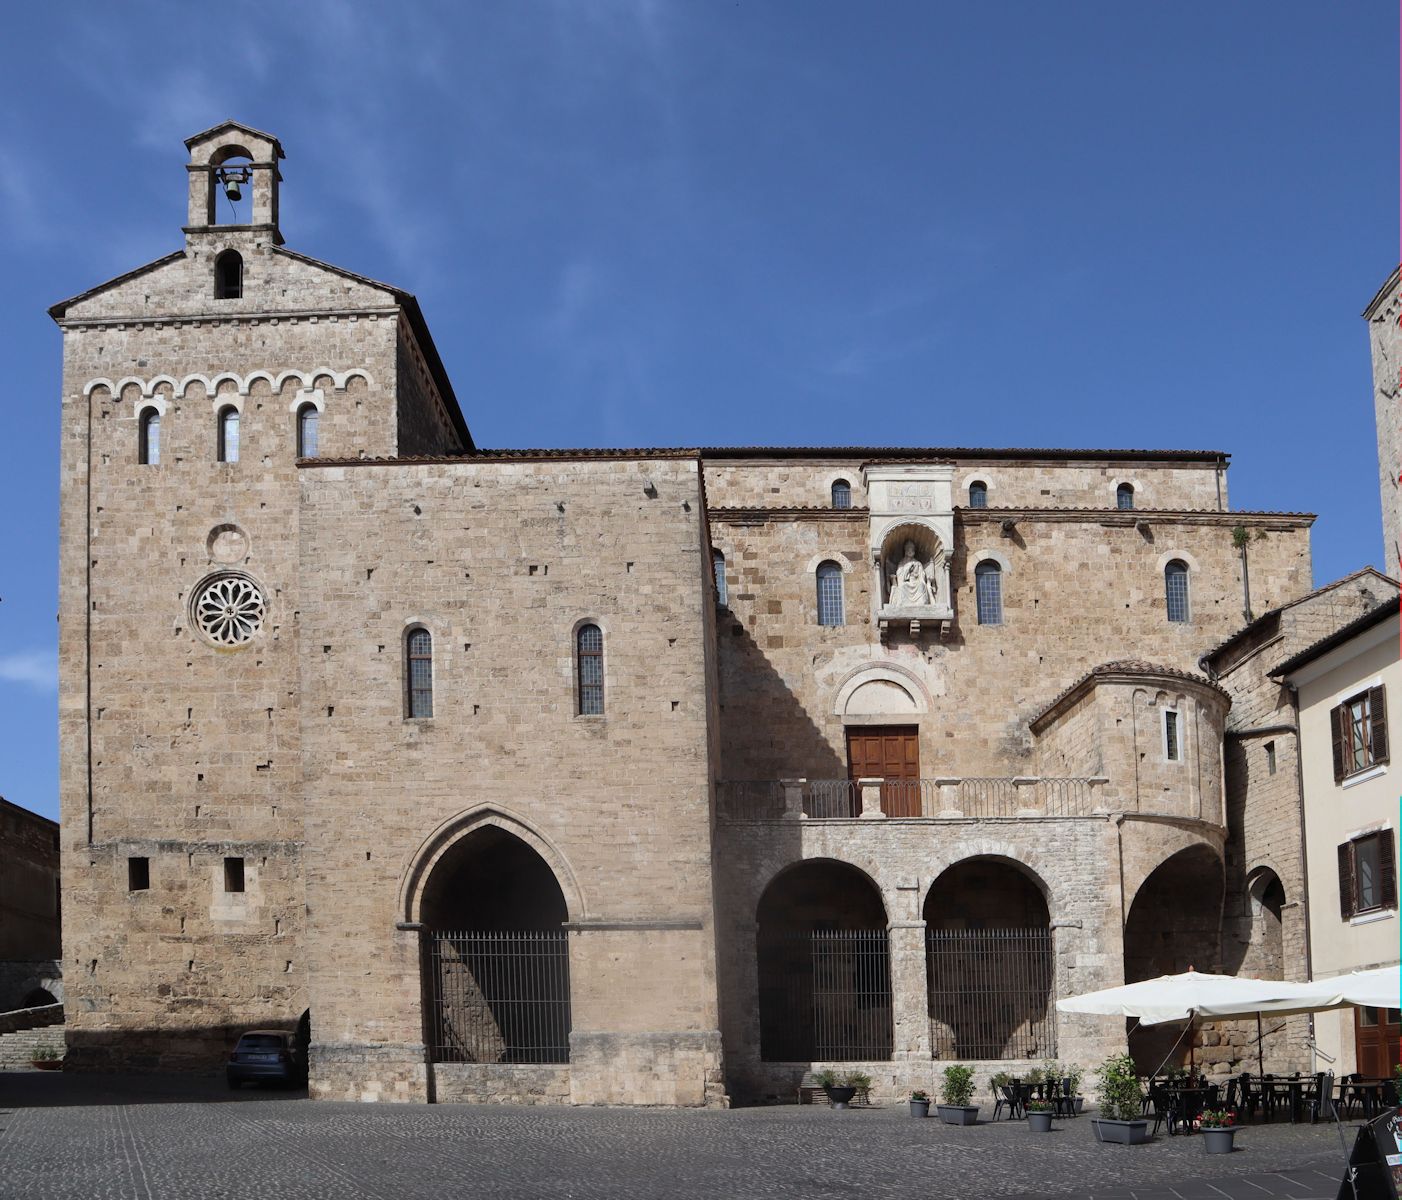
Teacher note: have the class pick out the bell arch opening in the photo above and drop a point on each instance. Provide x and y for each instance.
(989, 963)
(824, 967)
(1174, 923)
(496, 954)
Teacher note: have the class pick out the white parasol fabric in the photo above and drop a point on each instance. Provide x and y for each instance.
(1378, 988)
(1179, 997)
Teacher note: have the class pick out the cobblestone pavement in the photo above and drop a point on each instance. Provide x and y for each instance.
(118, 1138)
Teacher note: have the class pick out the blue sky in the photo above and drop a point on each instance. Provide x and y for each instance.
(635, 222)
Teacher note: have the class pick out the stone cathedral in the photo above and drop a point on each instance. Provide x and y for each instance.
(625, 776)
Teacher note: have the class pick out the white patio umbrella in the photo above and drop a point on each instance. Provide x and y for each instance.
(1377, 988)
(1185, 997)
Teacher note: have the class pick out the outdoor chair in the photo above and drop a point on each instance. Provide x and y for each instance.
(1012, 1097)
(1350, 1093)
(1229, 1101)
(1159, 1103)
(1389, 1091)
(1319, 1099)
(1249, 1095)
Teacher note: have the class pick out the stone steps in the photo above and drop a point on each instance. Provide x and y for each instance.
(18, 1049)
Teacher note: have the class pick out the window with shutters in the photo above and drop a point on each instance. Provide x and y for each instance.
(978, 494)
(589, 670)
(149, 446)
(1359, 728)
(418, 673)
(1175, 584)
(1367, 874)
(988, 592)
(718, 563)
(830, 607)
(229, 434)
(841, 494)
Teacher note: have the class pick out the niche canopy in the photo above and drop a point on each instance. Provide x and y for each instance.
(912, 530)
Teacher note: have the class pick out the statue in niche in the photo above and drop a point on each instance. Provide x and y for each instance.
(911, 583)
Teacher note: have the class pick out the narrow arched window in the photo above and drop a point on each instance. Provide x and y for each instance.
(589, 669)
(228, 276)
(841, 494)
(988, 592)
(149, 442)
(229, 434)
(418, 672)
(1175, 583)
(1124, 496)
(308, 419)
(830, 594)
(978, 494)
(718, 562)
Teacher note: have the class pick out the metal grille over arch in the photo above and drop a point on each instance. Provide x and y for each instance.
(990, 963)
(496, 955)
(824, 967)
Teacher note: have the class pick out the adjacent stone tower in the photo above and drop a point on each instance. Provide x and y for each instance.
(1383, 314)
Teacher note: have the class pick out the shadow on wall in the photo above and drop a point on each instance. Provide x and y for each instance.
(190, 1051)
(766, 732)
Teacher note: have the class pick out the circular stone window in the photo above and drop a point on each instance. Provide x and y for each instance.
(228, 609)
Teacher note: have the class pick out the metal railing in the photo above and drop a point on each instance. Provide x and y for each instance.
(825, 995)
(978, 797)
(991, 993)
(499, 997)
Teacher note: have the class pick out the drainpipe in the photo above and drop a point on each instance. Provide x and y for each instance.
(1304, 862)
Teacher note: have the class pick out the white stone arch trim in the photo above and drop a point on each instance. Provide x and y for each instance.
(1169, 555)
(829, 556)
(93, 384)
(316, 397)
(153, 383)
(983, 477)
(851, 478)
(868, 872)
(997, 556)
(122, 385)
(888, 672)
(150, 404)
(419, 869)
(218, 403)
(241, 382)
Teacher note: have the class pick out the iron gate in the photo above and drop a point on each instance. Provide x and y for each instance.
(499, 997)
(825, 995)
(991, 993)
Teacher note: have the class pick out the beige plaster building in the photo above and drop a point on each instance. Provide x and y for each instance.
(1344, 683)
(636, 776)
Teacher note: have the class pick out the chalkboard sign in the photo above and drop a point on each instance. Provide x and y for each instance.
(1376, 1161)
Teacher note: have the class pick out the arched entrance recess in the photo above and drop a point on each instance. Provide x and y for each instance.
(496, 958)
(989, 962)
(1174, 923)
(824, 967)
(38, 998)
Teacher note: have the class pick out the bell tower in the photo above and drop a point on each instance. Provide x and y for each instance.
(234, 171)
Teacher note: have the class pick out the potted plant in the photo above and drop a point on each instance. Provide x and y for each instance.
(1120, 1119)
(861, 1081)
(919, 1103)
(956, 1090)
(1039, 1115)
(46, 1058)
(839, 1093)
(1218, 1126)
(1074, 1074)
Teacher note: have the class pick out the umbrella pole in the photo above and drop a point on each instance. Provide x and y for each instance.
(1260, 1053)
(1192, 1047)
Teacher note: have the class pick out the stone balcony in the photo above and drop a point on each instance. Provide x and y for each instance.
(981, 798)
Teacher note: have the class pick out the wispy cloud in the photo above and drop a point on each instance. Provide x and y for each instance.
(37, 669)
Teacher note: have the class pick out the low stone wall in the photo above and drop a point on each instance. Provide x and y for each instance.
(386, 1074)
(681, 1068)
(30, 1018)
(498, 1083)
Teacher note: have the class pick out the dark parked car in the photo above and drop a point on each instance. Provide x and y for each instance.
(267, 1056)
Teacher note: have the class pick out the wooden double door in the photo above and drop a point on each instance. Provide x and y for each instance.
(890, 753)
(1377, 1039)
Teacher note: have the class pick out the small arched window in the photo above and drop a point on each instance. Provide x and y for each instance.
(589, 670)
(229, 434)
(308, 420)
(718, 562)
(988, 592)
(978, 494)
(1175, 583)
(418, 672)
(1124, 496)
(228, 276)
(149, 442)
(830, 594)
(841, 494)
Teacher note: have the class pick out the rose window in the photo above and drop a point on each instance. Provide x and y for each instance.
(229, 610)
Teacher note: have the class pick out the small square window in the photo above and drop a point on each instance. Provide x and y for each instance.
(138, 874)
(233, 874)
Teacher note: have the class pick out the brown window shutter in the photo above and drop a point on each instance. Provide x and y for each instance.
(1377, 708)
(1336, 727)
(1346, 880)
(1387, 869)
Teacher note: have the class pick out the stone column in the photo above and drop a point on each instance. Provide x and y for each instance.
(1026, 788)
(871, 797)
(910, 1012)
(949, 798)
(793, 798)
